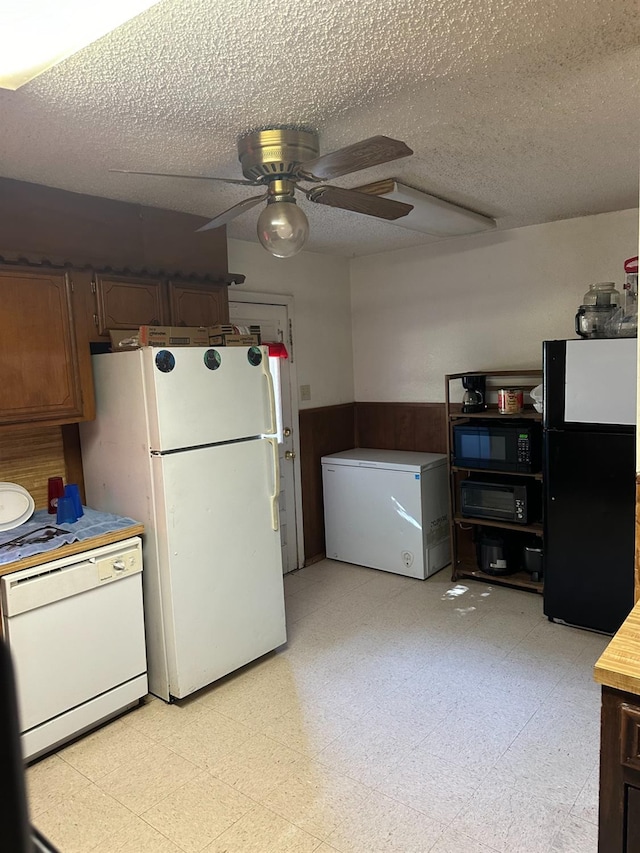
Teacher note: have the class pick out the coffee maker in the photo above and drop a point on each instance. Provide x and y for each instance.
(475, 393)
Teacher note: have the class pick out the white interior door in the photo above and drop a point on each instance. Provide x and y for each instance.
(273, 320)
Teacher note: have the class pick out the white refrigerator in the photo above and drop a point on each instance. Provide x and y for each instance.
(181, 443)
(387, 509)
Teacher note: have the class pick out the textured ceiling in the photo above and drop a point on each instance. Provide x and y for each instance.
(524, 110)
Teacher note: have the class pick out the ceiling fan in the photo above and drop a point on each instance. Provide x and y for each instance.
(278, 159)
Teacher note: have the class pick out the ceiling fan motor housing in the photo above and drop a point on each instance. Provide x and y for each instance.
(272, 154)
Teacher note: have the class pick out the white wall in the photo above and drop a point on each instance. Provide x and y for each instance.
(474, 303)
(320, 287)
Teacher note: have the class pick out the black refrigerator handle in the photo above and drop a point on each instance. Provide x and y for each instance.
(554, 357)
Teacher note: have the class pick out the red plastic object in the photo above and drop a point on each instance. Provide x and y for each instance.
(631, 264)
(55, 490)
(277, 350)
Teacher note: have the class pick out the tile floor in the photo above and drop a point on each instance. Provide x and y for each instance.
(402, 717)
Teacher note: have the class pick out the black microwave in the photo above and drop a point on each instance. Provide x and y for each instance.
(515, 446)
(518, 502)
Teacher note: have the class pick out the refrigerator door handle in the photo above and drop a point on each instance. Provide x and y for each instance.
(272, 399)
(275, 520)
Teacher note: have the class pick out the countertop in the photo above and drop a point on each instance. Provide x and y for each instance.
(619, 664)
(93, 530)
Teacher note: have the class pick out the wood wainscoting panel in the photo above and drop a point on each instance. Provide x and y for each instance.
(73, 457)
(322, 431)
(402, 426)
(29, 456)
(388, 426)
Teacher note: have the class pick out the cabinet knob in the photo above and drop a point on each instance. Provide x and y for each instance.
(289, 454)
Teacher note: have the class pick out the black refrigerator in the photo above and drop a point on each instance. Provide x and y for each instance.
(589, 481)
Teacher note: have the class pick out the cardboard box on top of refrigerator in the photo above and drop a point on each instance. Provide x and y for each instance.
(234, 336)
(191, 336)
(173, 336)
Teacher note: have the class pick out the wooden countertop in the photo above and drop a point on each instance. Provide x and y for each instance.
(619, 664)
(73, 548)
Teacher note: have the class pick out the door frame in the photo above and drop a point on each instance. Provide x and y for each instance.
(287, 302)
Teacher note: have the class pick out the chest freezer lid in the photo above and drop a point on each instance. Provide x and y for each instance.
(390, 460)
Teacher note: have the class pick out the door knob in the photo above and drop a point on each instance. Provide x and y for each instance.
(289, 454)
(286, 432)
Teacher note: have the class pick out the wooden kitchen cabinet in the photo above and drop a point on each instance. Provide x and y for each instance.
(43, 368)
(198, 304)
(619, 819)
(126, 303)
(633, 819)
(618, 671)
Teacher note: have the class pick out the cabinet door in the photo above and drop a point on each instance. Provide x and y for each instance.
(633, 820)
(198, 304)
(38, 351)
(126, 303)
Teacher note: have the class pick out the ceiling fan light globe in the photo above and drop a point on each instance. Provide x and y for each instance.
(283, 228)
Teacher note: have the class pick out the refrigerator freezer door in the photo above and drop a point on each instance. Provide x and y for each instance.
(600, 381)
(219, 560)
(206, 395)
(589, 528)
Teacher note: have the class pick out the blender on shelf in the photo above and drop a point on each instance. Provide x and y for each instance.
(605, 312)
(599, 304)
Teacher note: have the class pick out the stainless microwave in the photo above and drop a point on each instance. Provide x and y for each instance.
(500, 501)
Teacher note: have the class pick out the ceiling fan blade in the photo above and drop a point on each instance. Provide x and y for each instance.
(352, 158)
(232, 212)
(383, 208)
(195, 177)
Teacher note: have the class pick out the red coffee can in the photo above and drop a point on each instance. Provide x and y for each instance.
(510, 401)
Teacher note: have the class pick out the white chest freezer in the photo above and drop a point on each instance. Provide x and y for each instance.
(387, 509)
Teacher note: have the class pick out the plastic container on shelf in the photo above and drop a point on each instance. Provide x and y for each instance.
(536, 395)
(631, 274)
(623, 323)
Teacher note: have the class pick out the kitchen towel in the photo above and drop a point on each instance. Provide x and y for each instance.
(41, 533)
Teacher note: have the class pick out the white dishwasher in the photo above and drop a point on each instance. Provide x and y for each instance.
(75, 630)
